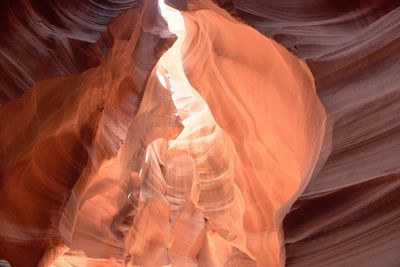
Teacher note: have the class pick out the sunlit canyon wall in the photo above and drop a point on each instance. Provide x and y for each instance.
(234, 133)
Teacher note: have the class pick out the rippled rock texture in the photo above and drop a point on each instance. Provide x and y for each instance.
(60, 170)
(348, 214)
(45, 39)
(265, 134)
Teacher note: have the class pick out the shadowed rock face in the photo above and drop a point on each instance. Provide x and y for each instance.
(60, 142)
(46, 39)
(221, 153)
(348, 214)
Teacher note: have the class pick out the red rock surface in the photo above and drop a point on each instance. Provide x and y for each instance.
(128, 146)
(45, 39)
(348, 214)
(60, 140)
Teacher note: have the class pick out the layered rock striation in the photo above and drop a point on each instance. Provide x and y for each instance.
(265, 134)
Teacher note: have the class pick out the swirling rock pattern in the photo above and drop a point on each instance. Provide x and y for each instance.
(45, 39)
(344, 217)
(274, 161)
(222, 152)
(60, 144)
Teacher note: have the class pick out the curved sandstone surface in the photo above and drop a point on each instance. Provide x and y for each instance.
(46, 39)
(244, 85)
(348, 214)
(60, 144)
(256, 133)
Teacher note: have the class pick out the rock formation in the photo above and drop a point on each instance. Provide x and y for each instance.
(253, 133)
(348, 213)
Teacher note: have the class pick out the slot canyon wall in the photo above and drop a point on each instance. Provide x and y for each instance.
(231, 133)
